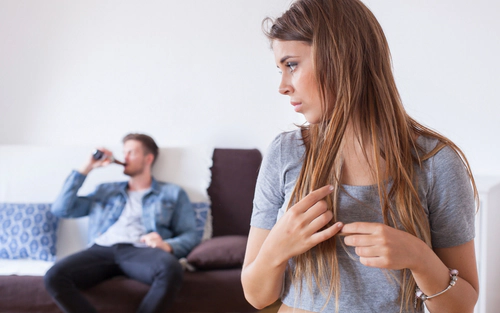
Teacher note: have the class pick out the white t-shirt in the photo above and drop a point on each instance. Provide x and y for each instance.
(129, 227)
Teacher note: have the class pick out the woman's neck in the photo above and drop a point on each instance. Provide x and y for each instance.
(359, 165)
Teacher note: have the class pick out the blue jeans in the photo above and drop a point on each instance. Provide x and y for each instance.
(155, 267)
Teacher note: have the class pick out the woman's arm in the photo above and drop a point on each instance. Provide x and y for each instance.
(262, 277)
(433, 276)
(381, 246)
(450, 201)
(268, 251)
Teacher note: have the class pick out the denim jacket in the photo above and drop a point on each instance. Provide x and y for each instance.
(166, 210)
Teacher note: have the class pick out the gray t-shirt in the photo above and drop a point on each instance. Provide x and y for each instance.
(129, 227)
(445, 192)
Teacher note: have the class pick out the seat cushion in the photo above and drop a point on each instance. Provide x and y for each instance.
(215, 291)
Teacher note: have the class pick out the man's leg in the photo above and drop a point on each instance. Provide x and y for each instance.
(79, 271)
(155, 267)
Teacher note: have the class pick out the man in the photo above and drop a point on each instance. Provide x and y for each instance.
(137, 228)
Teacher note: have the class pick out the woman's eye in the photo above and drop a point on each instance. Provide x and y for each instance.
(292, 66)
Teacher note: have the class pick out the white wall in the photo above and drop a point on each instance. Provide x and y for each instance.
(445, 55)
(200, 72)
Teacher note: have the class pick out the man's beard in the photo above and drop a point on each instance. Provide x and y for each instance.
(133, 173)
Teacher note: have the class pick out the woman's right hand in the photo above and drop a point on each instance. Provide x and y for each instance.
(299, 229)
(268, 251)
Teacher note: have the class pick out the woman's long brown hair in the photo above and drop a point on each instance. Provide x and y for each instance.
(353, 69)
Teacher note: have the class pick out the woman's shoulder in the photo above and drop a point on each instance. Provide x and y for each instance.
(288, 145)
(445, 154)
(426, 143)
(443, 164)
(292, 138)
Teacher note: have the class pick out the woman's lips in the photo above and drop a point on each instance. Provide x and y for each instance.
(296, 106)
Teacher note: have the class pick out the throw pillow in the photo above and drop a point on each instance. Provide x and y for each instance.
(28, 231)
(219, 253)
(203, 219)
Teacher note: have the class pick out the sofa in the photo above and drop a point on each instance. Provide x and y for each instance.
(213, 268)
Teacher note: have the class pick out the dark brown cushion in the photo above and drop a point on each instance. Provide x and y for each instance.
(219, 253)
(231, 190)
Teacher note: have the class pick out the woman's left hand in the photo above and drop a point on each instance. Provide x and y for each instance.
(382, 246)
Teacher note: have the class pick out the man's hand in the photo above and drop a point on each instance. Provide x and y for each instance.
(154, 240)
(91, 163)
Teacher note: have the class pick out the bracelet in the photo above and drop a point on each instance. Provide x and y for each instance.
(419, 294)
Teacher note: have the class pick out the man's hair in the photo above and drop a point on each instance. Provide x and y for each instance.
(147, 142)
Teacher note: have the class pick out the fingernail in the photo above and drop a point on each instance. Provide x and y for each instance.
(340, 224)
(331, 187)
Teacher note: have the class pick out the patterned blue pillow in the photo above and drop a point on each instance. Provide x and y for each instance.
(202, 210)
(27, 231)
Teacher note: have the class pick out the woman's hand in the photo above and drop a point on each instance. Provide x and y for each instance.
(298, 230)
(268, 251)
(382, 246)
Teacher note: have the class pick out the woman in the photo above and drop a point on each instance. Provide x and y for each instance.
(363, 209)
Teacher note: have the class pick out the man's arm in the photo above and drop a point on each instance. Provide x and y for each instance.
(67, 203)
(183, 227)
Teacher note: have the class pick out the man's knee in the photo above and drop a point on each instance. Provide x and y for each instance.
(169, 268)
(54, 279)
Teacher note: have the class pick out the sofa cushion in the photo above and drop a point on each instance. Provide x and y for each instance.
(219, 253)
(231, 190)
(200, 292)
(27, 231)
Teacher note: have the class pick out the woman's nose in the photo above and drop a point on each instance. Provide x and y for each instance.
(285, 88)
